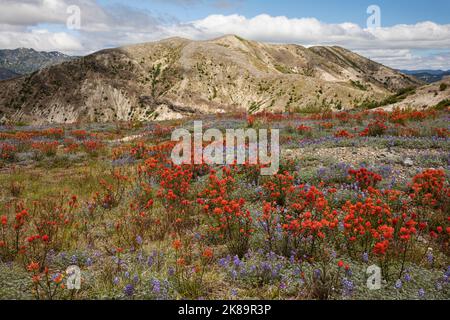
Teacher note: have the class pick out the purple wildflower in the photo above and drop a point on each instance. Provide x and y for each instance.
(421, 293)
(407, 277)
(347, 287)
(430, 257)
(156, 286)
(237, 262)
(365, 257)
(317, 273)
(129, 290)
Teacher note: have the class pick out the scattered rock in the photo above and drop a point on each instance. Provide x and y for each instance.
(24, 156)
(408, 162)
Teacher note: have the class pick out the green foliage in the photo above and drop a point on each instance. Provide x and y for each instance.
(442, 105)
(359, 85)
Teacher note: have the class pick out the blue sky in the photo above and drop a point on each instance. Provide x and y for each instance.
(412, 34)
(331, 11)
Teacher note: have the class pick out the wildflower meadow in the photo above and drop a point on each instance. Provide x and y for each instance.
(359, 209)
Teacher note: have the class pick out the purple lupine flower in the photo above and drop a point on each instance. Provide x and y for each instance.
(88, 262)
(156, 286)
(398, 284)
(234, 292)
(430, 257)
(129, 290)
(266, 266)
(171, 271)
(271, 255)
(348, 272)
(135, 279)
(223, 262)
(139, 240)
(74, 259)
(317, 273)
(407, 277)
(365, 257)
(421, 293)
(237, 261)
(347, 287)
(127, 274)
(116, 280)
(150, 261)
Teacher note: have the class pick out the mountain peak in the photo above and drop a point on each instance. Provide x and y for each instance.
(175, 77)
(27, 60)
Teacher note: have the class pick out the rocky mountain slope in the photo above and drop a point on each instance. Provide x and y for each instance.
(178, 77)
(7, 74)
(25, 61)
(431, 95)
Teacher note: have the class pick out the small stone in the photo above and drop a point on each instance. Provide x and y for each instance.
(408, 162)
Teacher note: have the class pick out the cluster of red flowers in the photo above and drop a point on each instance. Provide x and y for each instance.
(250, 121)
(48, 148)
(303, 212)
(302, 129)
(429, 188)
(56, 133)
(53, 133)
(92, 146)
(374, 128)
(365, 178)
(343, 134)
(227, 218)
(442, 132)
(310, 214)
(79, 134)
(343, 117)
(7, 151)
(173, 192)
(279, 187)
(326, 125)
(402, 116)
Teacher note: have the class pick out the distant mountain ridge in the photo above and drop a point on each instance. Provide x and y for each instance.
(428, 76)
(177, 77)
(8, 74)
(23, 61)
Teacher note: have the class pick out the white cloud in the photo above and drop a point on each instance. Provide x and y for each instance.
(21, 25)
(310, 31)
(42, 40)
(408, 59)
